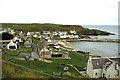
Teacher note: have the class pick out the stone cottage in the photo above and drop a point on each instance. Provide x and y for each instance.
(103, 67)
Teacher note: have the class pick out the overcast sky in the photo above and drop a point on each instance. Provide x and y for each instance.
(80, 12)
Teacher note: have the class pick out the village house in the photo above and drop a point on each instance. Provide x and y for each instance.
(16, 39)
(39, 36)
(54, 33)
(5, 38)
(45, 52)
(51, 51)
(35, 35)
(28, 43)
(12, 46)
(73, 32)
(3, 43)
(46, 33)
(12, 32)
(60, 54)
(28, 34)
(63, 36)
(103, 67)
(22, 36)
(62, 33)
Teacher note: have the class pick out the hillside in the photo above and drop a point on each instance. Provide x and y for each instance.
(54, 27)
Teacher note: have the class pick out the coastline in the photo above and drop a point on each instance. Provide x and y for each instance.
(92, 40)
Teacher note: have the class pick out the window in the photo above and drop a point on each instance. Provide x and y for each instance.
(12, 47)
(95, 73)
(4, 46)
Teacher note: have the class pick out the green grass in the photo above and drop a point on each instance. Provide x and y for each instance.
(46, 67)
(76, 59)
(10, 71)
(16, 52)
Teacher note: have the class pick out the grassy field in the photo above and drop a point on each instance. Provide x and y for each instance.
(10, 71)
(16, 52)
(77, 59)
(48, 68)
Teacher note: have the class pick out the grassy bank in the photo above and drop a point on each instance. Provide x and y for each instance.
(78, 59)
(47, 68)
(10, 71)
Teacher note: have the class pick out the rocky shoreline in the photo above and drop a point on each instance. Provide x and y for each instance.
(93, 40)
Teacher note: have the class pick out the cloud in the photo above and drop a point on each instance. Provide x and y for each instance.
(59, 11)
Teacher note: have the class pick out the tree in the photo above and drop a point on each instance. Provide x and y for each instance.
(6, 36)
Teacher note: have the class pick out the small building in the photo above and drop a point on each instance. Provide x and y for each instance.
(39, 36)
(63, 36)
(51, 51)
(28, 34)
(56, 47)
(12, 32)
(103, 67)
(54, 33)
(22, 36)
(46, 32)
(45, 53)
(73, 32)
(35, 35)
(27, 43)
(16, 39)
(59, 54)
(63, 33)
(5, 39)
(12, 46)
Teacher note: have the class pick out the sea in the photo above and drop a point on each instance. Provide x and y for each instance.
(104, 49)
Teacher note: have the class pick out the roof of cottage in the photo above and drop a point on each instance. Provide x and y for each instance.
(116, 59)
(98, 63)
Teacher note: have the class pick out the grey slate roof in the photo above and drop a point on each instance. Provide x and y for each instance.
(116, 59)
(98, 63)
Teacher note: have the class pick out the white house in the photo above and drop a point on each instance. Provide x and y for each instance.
(12, 46)
(35, 35)
(16, 39)
(63, 36)
(63, 33)
(103, 67)
(12, 32)
(46, 33)
(28, 34)
(54, 33)
(73, 32)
